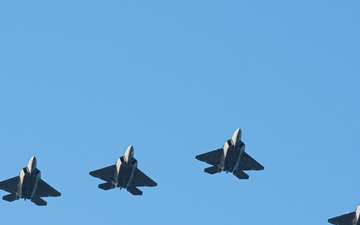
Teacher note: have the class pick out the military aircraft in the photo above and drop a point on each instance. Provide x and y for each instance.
(230, 158)
(347, 219)
(28, 185)
(124, 174)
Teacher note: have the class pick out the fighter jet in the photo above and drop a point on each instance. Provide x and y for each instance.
(230, 158)
(124, 174)
(28, 185)
(347, 219)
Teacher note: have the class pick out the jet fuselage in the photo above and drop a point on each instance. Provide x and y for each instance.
(232, 152)
(125, 169)
(231, 158)
(28, 180)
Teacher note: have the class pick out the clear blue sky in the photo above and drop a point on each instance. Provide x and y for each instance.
(81, 81)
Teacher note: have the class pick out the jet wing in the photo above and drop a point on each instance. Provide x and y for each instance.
(212, 157)
(248, 163)
(45, 190)
(10, 185)
(346, 219)
(140, 179)
(106, 174)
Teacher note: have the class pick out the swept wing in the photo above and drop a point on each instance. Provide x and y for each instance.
(45, 190)
(106, 174)
(248, 163)
(346, 219)
(212, 157)
(140, 179)
(10, 185)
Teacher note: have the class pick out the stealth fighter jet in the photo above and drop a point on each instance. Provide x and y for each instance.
(28, 185)
(124, 174)
(230, 158)
(347, 219)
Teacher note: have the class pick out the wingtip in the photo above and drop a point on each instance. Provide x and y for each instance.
(92, 174)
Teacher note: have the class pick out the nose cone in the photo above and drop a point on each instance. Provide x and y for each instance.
(129, 153)
(236, 137)
(32, 164)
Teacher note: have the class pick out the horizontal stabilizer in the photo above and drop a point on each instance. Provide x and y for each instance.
(212, 169)
(10, 197)
(39, 201)
(134, 191)
(106, 186)
(241, 175)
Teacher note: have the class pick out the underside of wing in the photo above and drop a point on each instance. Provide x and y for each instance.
(346, 219)
(248, 163)
(140, 179)
(106, 174)
(212, 157)
(10, 185)
(45, 190)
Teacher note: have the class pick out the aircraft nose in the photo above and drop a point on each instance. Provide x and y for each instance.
(32, 164)
(237, 136)
(238, 132)
(129, 150)
(129, 153)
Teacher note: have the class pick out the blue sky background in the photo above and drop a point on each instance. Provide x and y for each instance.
(81, 81)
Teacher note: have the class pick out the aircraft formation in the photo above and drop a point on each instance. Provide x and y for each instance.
(126, 174)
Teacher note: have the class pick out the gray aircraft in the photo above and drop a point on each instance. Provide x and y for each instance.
(347, 219)
(28, 185)
(230, 158)
(124, 174)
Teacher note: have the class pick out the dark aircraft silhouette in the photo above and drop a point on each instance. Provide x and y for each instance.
(230, 158)
(347, 219)
(28, 185)
(124, 174)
